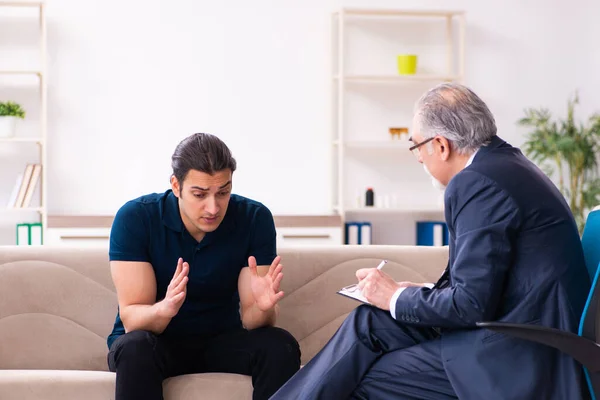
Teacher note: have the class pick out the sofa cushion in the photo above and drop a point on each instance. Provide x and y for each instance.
(99, 385)
(55, 385)
(208, 386)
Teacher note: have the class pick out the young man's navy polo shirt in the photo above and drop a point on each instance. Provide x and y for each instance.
(150, 229)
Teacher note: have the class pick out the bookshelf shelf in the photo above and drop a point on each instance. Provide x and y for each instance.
(386, 13)
(22, 140)
(21, 4)
(397, 210)
(21, 210)
(376, 144)
(397, 79)
(21, 72)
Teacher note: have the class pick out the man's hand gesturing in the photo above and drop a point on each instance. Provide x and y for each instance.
(176, 291)
(266, 288)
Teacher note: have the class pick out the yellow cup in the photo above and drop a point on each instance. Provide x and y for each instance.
(407, 64)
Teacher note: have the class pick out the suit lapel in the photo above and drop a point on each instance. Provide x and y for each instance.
(444, 280)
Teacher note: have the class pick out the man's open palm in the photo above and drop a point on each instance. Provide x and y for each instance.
(266, 288)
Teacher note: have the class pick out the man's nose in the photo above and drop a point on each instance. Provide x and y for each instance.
(211, 205)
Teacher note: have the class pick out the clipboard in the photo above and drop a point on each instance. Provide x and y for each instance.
(354, 293)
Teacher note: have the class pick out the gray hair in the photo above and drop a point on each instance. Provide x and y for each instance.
(456, 113)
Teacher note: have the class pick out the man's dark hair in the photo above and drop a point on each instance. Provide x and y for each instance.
(203, 152)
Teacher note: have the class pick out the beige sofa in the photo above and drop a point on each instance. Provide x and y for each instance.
(57, 305)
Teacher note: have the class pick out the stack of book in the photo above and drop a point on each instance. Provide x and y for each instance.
(25, 186)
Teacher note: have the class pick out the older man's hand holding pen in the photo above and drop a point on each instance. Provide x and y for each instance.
(378, 287)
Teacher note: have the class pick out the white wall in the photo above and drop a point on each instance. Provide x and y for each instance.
(130, 79)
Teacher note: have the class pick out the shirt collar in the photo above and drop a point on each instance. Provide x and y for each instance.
(471, 158)
(171, 217)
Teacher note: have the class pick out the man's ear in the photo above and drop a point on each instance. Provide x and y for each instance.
(443, 146)
(175, 186)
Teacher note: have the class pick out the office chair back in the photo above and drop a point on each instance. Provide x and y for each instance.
(591, 249)
(590, 320)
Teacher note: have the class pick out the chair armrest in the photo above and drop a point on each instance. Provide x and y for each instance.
(581, 349)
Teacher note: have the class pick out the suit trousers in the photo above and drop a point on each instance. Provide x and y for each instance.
(373, 356)
(142, 360)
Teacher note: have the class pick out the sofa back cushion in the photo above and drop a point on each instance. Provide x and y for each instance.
(312, 311)
(58, 304)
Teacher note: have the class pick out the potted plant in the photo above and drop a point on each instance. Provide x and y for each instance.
(9, 112)
(566, 149)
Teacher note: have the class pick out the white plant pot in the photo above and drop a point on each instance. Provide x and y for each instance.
(8, 126)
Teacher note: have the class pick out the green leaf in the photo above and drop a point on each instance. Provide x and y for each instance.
(11, 109)
(568, 147)
(591, 193)
(548, 169)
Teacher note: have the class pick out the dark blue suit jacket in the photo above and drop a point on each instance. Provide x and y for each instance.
(515, 256)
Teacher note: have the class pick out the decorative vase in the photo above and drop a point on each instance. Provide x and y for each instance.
(8, 125)
(407, 64)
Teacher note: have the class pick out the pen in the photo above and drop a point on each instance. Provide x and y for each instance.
(381, 264)
(353, 288)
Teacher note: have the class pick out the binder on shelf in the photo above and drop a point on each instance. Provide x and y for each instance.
(23, 238)
(29, 234)
(432, 233)
(35, 234)
(365, 233)
(358, 233)
(352, 233)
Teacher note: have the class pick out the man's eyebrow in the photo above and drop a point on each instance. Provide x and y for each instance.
(207, 189)
(225, 185)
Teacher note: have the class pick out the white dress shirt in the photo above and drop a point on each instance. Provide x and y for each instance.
(394, 298)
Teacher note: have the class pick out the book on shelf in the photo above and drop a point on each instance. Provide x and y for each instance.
(15, 192)
(33, 183)
(25, 186)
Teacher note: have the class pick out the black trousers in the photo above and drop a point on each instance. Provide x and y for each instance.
(373, 357)
(142, 360)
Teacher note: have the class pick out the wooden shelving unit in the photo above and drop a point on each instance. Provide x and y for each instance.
(347, 81)
(40, 138)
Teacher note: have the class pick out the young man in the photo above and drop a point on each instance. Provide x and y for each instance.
(515, 256)
(178, 262)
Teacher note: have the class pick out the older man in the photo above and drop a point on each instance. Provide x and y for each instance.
(515, 256)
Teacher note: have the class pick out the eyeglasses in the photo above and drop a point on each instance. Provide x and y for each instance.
(415, 149)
